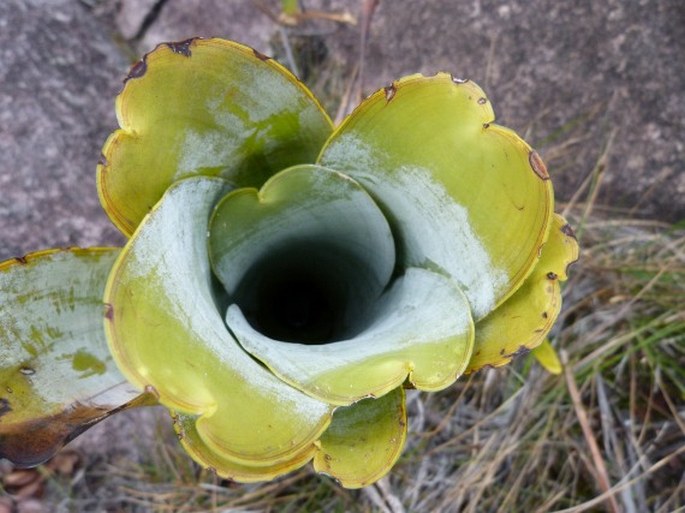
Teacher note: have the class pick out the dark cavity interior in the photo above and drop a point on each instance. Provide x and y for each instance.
(307, 293)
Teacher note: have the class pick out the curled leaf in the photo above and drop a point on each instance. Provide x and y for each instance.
(525, 319)
(57, 377)
(204, 107)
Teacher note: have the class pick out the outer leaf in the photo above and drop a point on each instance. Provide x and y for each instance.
(210, 107)
(225, 467)
(306, 220)
(165, 331)
(525, 319)
(57, 377)
(362, 444)
(364, 440)
(547, 357)
(422, 331)
(461, 193)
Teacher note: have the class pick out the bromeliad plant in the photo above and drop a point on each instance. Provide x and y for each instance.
(284, 281)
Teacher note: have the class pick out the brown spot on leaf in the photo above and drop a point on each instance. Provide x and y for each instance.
(482, 100)
(182, 47)
(260, 55)
(109, 312)
(568, 231)
(5, 407)
(21, 260)
(538, 165)
(486, 125)
(545, 315)
(501, 351)
(137, 70)
(30, 443)
(551, 276)
(390, 92)
(519, 352)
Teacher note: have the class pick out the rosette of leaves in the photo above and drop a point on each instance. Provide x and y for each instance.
(284, 280)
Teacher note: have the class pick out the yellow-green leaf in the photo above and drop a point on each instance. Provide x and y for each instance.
(57, 377)
(364, 440)
(462, 194)
(420, 330)
(227, 468)
(166, 331)
(204, 107)
(306, 257)
(524, 320)
(547, 357)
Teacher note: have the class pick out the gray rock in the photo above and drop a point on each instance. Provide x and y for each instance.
(567, 75)
(131, 14)
(59, 71)
(240, 21)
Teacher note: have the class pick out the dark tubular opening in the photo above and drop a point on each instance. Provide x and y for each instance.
(308, 293)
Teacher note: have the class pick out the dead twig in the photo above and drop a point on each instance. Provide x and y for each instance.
(598, 461)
